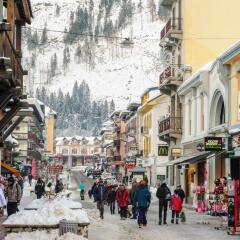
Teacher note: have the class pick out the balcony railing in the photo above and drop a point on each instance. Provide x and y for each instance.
(170, 124)
(10, 52)
(172, 71)
(173, 24)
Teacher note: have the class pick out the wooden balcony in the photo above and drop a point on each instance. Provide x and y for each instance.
(172, 29)
(11, 71)
(171, 126)
(172, 75)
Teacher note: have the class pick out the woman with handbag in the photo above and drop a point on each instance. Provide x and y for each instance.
(164, 196)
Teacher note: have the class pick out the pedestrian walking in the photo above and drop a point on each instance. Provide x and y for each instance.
(13, 196)
(142, 200)
(131, 197)
(164, 196)
(122, 198)
(176, 206)
(100, 194)
(30, 177)
(39, 188)
(92, 190)
(111, 199)
(82, 188)
(59, 186)
(180, 192)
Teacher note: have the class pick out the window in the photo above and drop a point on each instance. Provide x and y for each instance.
(190, 117)
(64, 151)
(74, 151)
(202, 111)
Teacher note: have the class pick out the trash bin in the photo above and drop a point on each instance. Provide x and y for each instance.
(67, 226)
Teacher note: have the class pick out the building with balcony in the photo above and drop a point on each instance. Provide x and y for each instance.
(78, 150)
(154, 106)
(30, 136)
(13, 15)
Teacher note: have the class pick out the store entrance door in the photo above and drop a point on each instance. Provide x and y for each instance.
(201, 172)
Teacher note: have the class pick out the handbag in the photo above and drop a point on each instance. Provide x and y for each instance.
(183, 216)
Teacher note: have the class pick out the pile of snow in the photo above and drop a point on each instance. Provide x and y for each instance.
(68, 203)
(42, 235)
(48, 214)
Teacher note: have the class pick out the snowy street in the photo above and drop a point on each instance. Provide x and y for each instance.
(112, 227)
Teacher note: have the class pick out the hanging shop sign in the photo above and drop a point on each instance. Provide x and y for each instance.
(213, 144)
(162, 150)
(176, 152)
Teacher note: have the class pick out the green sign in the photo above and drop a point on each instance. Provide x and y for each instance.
(213, 144)
(163, 150)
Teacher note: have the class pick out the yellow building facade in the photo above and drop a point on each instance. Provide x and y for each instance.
(50, 130)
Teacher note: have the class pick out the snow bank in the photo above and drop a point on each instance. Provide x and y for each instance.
(68, 203)
(43, 235)
(48, 214)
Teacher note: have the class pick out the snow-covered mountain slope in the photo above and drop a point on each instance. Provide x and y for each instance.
(120, 73)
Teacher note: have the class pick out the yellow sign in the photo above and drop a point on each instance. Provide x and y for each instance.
(163, 150)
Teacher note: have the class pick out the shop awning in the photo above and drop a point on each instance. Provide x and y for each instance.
(187, 159)
(10, 169)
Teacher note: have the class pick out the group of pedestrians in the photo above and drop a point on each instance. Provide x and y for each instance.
(174, 201)
(134, 202)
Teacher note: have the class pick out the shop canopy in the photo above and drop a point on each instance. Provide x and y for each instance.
(188, 159)
(138, 169)
(9, 169)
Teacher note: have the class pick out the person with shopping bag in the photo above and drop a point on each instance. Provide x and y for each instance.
(176, 206)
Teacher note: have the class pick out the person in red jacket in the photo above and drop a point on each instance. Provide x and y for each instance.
(176, 206)
(122, 198)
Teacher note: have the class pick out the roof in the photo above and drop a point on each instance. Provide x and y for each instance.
(80, 139)
(37, 108)
(10, 169)
(151, 89)
(49, 111)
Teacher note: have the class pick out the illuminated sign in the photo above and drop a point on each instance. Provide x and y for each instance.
(213, 144)
(163, 150)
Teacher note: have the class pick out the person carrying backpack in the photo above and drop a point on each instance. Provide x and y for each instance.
(176, 206)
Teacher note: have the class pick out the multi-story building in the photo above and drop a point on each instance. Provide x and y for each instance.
(79, 150)
(154, 106)
(29, 134)
(189, 42)
(13, 15)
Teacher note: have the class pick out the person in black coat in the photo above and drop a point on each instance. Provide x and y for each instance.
(111, 199)
(39, 188)
(100, 193)
(164, 195)
(180, 192)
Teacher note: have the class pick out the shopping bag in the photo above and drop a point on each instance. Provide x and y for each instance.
(183, 216)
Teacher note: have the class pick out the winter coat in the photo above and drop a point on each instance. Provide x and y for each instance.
(163, 193)
(180, 193)
(82, 186)
(14, 193)
(142, 197)
(2, 198)
(111, 196)
(132, 193)
(39, 189)
(176, 203)
(100, 193)
(58, 187)
(122, 198)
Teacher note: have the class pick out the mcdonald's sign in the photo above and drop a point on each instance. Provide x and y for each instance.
(163, 150)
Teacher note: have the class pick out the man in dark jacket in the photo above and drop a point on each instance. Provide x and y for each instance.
(59, 186)
(111, 199)
(39, 188)
(100, 194)
(164, 195)
(142, 200)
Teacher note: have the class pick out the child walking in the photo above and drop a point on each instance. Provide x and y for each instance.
(176, 206)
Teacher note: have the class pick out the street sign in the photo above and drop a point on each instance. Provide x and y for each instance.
(162, 150)
(213, 144)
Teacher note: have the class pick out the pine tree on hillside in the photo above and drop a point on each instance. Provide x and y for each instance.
(66, 59)
(38, 94)
(75, 98)
(57, 12)
(105, 114)
(44, 37)
(78, 54)
(163, 12)
(112, 107)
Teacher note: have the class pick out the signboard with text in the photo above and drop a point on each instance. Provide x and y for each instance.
(162, 150)
(213, 144)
